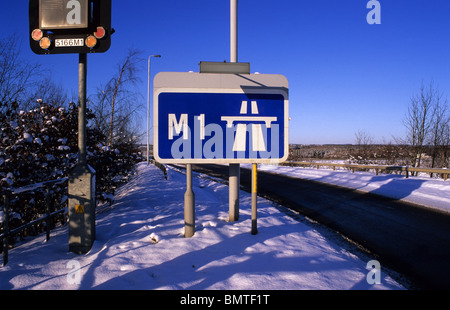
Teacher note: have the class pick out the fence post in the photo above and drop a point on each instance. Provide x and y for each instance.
(47, 211)
(6, 228)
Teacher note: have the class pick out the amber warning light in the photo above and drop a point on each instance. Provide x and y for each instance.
(70, 26)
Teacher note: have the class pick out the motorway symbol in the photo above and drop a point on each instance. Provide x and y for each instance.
(258, 142)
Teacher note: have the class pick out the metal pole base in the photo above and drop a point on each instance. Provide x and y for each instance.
(233, 184)
(81, 209)
(189, 205)
(254, 199)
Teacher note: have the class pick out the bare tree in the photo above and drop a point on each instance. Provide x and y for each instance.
(363, 141)
(46, 91)
(438, 128)
(418, 121)
(116, 104)
(17, 76)
(445, 140)
(362, 138)
(23, 82)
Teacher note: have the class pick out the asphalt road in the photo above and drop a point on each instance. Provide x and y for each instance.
(410, 239)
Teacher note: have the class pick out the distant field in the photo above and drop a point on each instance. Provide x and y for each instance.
(383, 154)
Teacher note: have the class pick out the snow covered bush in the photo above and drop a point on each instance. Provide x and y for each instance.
(42, 144)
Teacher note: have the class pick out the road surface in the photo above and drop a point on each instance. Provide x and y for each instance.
(410, 239)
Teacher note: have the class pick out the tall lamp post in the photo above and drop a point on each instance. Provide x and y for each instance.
(234, 169)
(148, 109)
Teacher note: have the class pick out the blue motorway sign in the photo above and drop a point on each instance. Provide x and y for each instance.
(220, 126)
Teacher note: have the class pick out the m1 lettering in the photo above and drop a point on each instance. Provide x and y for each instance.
(201, 118)
(196, 140)
(182, 125)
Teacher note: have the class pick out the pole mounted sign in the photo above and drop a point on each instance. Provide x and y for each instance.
(70, 26)
(79, 27)
(220, 118)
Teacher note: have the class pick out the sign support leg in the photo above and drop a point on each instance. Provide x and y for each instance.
(82, 81)
(233, 30)
(254, 198)
(234, 169)
(233, 184)
(189, 205)
(82, 180)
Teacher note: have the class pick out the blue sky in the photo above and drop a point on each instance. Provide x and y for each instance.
(344, 74)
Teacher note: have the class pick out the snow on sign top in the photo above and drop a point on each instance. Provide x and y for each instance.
(220, 118)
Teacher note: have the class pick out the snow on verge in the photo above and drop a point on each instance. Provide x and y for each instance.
(140, 245)
(428, 192)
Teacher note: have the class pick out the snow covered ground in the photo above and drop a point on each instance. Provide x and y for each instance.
(140, 243)
(429, 192)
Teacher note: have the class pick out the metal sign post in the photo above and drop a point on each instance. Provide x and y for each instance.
(254, 198)
(223, 114)
(234, 180)
(211, 118)
(82, 180)
(74, 27)
(189, 205)
(82, 83)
